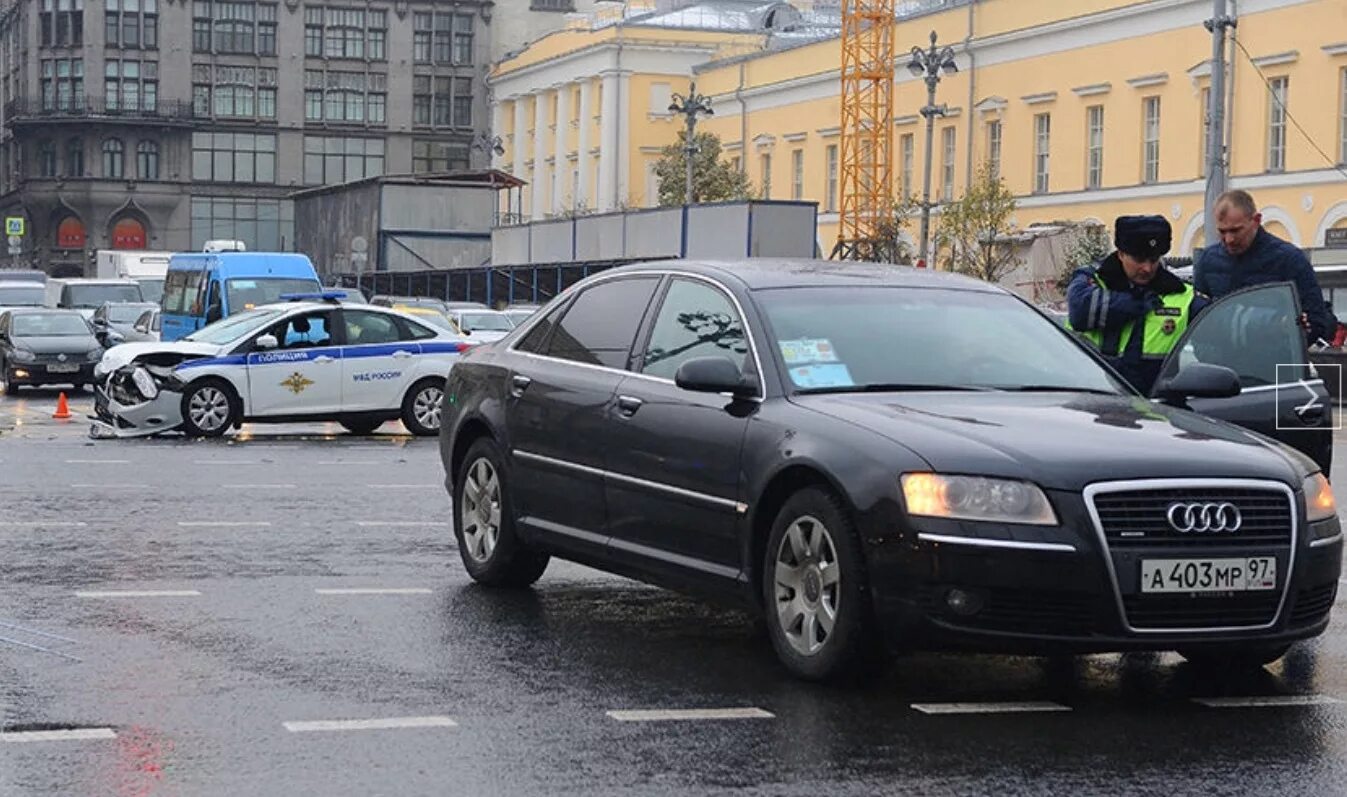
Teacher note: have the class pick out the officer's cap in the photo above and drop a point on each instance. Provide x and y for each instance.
(1145, 237)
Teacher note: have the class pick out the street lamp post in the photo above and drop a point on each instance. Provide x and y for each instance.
(690, 106)
(489, 144)
(930, 64)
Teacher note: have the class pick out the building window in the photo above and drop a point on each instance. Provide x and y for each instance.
(131, 23)
(1151, 138)
(422, 26)
(1276, 126)
(46, 159)
(947, 156)
(1205, 126)
(233, 92)
(433, 103)
(234, 26)
(345, 97)
(234, 157)
(551, 5)
(442, 38)
(905, 146)
(463, 39)
(114, 159)
(830, 195)
(797, 174)
(70, 234)
(147, 160)
(74, 158)
(62, 23)
(330, 160)
(264, 225)
(1094, 142)
(441, 156)
(131, 85)
(313, 31)
(1042, 145)
(63, 84)
(765, 165)
(994, 147)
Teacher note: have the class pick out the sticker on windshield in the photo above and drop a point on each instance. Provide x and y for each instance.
(810, 376)
(808, 350)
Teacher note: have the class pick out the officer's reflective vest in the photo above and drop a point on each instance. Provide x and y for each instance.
(1163, 327)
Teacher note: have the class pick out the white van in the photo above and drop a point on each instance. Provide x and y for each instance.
(147, 268)
(87, 295)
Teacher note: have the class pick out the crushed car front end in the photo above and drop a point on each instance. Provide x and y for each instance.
(139, 393)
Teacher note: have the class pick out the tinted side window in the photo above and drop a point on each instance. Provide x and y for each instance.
(695, 320)
(537, 337)
(364, 328)
(601, 323)
(410, 330)
(1254, 334)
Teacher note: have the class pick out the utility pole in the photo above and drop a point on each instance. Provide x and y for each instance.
(929, 64)
(690, 106)
(1217, 164)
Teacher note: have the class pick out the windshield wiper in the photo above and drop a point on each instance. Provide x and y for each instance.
(1056, 389)
(893, 387)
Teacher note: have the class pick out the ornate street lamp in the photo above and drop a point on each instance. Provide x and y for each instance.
(930, 64)
(690, 106)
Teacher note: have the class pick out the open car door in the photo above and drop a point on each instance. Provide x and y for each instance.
(1254, 332)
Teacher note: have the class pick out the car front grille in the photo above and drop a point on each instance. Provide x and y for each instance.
(1139, 518)
(1202, 611)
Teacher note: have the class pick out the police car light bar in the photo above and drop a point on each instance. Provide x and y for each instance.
(325, 296)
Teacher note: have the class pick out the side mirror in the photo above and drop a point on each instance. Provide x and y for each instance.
(267, 342)
(714, 375)
(1199, 380)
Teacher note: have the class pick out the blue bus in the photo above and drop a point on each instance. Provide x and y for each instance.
(203, 288)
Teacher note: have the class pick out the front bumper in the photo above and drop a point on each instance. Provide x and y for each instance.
(1067, 590)
(36, 374)
(122, 410)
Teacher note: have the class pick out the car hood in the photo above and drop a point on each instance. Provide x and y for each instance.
(1063, 440)
(485, 336)
(123, 353)
(57, 344)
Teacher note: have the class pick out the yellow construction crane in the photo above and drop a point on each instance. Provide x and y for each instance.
(867, 130)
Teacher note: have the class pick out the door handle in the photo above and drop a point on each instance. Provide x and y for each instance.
(519, 383)
(401, 354)
(323, 358)
(1311, 416)
(628, 405)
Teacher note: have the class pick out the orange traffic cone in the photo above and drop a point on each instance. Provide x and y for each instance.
(62, 408)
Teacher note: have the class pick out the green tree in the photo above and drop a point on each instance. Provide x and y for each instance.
(1089, 244)
(713, 180)
(975, 232)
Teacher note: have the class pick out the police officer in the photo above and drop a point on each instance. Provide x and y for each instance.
(1129, 306)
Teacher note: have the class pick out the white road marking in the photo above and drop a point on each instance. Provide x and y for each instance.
(397, 522)
(1024, 707)
(370, 725)
(59, 736)
(98, 462)
(223, 523)
(376, 591)
(671, 715)
(259, 486)
(338, 462)
(107, 486)
(1266, 701)
(140, 593)
(225, 462)
(44, 523)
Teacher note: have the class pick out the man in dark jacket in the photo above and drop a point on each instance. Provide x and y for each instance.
(1250, 255)
(1129, 306)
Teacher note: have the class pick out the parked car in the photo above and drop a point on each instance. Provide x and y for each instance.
(43, 346)
(21, 293)
(87, 295)
(300, 361)
(518, 313)
(114, 322)
(146, 327)
(841, 448)
(482, 325)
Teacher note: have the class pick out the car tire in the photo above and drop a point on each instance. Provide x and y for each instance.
(421, 407)
(1234, 657)
(361, 426)
(815, 588)
(209, 408)
(484, 523)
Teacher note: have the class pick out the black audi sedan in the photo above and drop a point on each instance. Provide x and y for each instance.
(884, 458)
(42, 346)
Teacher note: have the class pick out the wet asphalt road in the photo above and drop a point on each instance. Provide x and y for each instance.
(216, 593)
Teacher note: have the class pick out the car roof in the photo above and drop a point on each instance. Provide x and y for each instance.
(764, 273)
(20, 284)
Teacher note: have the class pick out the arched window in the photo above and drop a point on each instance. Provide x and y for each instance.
(70, 234)
(147, 160)
(128, 233)
(74, 158)
(46, 159)
(114, 159)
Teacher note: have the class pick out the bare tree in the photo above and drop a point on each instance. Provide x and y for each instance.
(975, 233)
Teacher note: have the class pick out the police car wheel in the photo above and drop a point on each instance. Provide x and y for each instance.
(209, 408)
(484, 522)
(421, 407)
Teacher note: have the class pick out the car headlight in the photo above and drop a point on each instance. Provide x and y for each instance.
(24, 356)
(95, 355)
(145, 383)
(976, 498)
(1319, 501)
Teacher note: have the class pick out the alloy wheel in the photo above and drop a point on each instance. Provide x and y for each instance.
(209, 408)
(426, 407)
(480, 512)
(807, 580)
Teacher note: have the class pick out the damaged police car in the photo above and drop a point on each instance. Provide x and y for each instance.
(311, 359)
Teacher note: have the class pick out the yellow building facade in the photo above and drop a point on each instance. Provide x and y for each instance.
(1089, 109)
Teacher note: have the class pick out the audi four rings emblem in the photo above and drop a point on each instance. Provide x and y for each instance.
(1199, 517)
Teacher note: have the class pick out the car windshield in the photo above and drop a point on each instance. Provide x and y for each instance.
(38, 325)
(430, 316)
(245, 294)
(490, 322)
(233, 327)
(22, 296)
(849, 339)
(96, 295)
(124, 313)
(151, 290)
